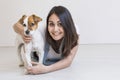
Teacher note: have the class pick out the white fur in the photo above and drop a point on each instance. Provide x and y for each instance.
(36, 44)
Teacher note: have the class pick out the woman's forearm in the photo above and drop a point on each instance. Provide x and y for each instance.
(66, 62)
(59, 65)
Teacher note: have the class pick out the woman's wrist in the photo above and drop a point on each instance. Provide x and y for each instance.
(47, 69)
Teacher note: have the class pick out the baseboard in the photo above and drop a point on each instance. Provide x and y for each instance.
(13, 44)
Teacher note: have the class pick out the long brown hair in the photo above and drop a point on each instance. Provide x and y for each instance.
(70, 37)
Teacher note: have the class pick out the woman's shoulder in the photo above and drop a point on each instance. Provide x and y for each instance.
(77, 29)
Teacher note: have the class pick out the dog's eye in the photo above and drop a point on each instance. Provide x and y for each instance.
(24, 25)
(32, 24)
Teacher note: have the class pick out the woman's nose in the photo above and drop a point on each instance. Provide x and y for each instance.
(56, 28)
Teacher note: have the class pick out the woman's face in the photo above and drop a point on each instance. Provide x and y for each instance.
(55, 28)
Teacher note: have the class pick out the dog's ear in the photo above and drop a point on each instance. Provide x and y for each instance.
(22, 19)
(36, 18)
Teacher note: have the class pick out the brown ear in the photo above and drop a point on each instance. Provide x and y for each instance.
(21, 19)
(36, 18)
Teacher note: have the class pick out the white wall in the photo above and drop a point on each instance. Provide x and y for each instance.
(98, 20)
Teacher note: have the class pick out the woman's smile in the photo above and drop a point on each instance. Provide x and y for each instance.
(56, 35)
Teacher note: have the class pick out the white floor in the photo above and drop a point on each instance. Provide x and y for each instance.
(92, 62)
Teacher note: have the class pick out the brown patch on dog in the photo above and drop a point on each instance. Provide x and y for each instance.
(33, 22)
(21, 21)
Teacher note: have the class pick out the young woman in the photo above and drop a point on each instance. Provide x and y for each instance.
(61, 41)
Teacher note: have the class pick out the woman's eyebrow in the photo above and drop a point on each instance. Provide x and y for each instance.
(50, 21)
(58, 21)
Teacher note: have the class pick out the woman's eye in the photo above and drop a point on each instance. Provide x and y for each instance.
(24, 24)
(59, 24)
(51, 24)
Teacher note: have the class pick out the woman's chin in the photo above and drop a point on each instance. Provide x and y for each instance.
(56, 38)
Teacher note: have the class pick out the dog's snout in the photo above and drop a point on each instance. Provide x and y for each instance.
(27, 32)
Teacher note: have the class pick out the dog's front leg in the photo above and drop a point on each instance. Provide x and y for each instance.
(41, 55)
(28, 48)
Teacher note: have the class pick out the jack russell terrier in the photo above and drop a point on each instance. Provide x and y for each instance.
(34, 50)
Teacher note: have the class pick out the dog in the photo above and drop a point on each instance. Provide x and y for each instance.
(34, 50)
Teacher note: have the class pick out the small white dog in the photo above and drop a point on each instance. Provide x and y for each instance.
(35, 49)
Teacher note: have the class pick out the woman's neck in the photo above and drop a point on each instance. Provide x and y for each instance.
(58, 41)
(57, 45)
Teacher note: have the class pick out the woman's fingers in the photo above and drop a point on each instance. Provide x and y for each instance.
(29, 70)
(27, 39)
(34, 63)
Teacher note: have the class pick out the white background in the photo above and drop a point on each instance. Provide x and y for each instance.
(98, 20)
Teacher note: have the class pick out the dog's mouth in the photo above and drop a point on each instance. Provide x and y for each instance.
(28, 32)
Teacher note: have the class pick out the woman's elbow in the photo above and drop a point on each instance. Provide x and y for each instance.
(69, 63)
(14, 27)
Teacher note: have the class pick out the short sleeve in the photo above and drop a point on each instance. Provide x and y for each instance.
(78, 32)
(77, 29)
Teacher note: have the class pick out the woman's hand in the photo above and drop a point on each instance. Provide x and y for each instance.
(37, 68)
(18, 28)
(26, 39)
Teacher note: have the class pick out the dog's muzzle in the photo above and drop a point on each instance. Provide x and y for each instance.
(27, 32)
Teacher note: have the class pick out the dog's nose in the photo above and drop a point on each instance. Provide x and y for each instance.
(27, 32)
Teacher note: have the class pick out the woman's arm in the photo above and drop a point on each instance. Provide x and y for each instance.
(66, 62)
(18, 28)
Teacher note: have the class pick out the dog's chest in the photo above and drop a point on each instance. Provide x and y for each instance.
(36, 39)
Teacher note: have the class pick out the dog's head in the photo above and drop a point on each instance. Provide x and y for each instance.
(30, 23)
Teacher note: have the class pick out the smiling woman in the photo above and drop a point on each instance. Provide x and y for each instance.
(61, 41)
